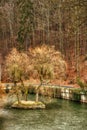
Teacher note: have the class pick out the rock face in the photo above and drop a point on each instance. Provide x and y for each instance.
(28, 105)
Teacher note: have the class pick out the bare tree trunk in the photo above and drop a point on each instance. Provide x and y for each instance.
(60, 26)
(25, 90)
(48, 22)
(0, 73)
(37, 92)
(10, 15)
(33, 33)
(77, 43)
(37, 96)
(0, 67)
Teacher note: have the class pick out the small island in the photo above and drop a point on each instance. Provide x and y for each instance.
(28, 105)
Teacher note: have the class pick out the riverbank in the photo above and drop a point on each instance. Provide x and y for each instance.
(62, 92)
(68, 92)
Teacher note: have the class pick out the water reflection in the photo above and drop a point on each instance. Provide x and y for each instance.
(59, 115)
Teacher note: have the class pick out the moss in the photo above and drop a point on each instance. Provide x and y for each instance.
(76, 94)
(76, 91)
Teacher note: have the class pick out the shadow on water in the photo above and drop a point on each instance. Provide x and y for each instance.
(1, 123)
(5, 116)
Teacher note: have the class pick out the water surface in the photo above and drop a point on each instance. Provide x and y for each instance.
(59, 115)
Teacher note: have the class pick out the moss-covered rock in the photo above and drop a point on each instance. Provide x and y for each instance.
(28, 105)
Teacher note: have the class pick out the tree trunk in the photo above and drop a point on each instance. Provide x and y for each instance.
(0, 73)
(25, 95)
(48, 31)
(24, 90)
(37, 91)
(77, 43)
(17, 95)
(60, 26)
(37, 96)
(18, 98)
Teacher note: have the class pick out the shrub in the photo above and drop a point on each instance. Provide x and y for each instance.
(82, 85)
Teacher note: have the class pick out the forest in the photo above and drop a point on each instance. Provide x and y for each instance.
(28, 24)
(43, 64)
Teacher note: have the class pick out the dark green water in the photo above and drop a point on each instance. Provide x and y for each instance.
(60, 115)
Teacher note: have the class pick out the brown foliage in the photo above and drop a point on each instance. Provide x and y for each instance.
(17, 65)
(46, 61)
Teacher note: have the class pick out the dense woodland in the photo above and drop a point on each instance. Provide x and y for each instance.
(62, 23)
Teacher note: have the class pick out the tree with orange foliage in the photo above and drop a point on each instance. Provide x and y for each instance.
(17, 68)
(47, 63)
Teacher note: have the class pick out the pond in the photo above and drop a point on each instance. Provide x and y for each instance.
(59, 115)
